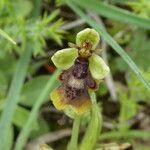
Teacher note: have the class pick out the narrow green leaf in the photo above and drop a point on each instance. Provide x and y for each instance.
(13, 94)
(37, 8)
(113, 12)
(10, 139)
(6, 36)
(43, 128)
(110, 41)
(32, 89)
(27, 127)
(21, 116)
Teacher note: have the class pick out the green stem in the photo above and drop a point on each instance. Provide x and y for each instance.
(73, 145)
(93, 130)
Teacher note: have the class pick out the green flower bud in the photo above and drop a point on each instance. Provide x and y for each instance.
(87, 35)
(97, 67)
(64, 59)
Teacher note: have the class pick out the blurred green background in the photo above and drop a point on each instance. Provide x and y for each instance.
(27, 75)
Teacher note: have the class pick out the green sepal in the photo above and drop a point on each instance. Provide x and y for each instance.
(97, 67)
(64, 59)
(88, 35)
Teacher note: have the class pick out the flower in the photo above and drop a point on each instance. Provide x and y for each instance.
(82, 69)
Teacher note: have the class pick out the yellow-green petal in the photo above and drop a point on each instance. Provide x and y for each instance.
(80, 110)
(97, 67)
(64, 59)
(88, 35)
(57, 99)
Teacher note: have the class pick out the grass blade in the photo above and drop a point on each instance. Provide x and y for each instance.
(13, 95)
(113, 12)
(27, 128)
(6, 36)
(110, 41)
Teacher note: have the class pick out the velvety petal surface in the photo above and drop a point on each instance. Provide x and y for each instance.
(80, 105)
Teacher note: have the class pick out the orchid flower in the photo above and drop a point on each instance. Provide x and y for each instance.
(83, 69)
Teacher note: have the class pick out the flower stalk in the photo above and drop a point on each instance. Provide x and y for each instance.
(83, 71)
(73, 144)
(93, 130)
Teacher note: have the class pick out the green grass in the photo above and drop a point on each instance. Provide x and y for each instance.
(6, 36)
(13, 94)
(113, 12)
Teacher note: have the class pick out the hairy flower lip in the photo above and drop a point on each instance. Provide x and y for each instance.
(80, 104)
(74, 88)
(81, 68)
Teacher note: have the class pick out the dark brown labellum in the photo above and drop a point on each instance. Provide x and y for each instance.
(76, 81)
(80, 68)
(72, 92)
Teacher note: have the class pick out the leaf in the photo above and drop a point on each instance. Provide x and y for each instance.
(3, 85)
(113, 12)
(32, 89)
(6, 67)
(13, 94)
(127, 111)
(110, 41)
(137, 91)
(43, 128)
(21, 10)
(10, 139)
(21, 116)
(138, 50)
(6, 36)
